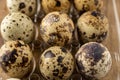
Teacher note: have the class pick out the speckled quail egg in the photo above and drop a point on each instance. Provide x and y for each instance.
(15, 58)
(93, 60)
(87, 5)
(56, 63)
(92, 26)
(56, 5)
(17, 26)
(56, 28)
(27, 7)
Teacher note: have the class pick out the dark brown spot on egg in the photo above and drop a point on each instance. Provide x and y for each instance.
(9, 58)
(61, 65)
(13, 21)
(94, 13)
(85, 7)
(30, 9)
(23, 11)
(54, 37)
(24, 61)
(65, 69)
(66, 40)
(20, 51)
(27, 35)
(19, 38)
(23, 32)
(93, 71)
(97, 14)
(31, 30)
(93, 36)
(55, 72)
(55, 34)
(93, 63)
(11, 45)
(49, 54)
(63, 49)
(61, 76)
(102, 36)
(21, 5)
(20, 19)
(9, 36)
(48, 67)
(58, 3)
(51, 42)
(3, 30)
(18, 44)
(84, 33)
(22, 16)
(94, 50)
(85, 1)
(32, 3)
(12, 55)
(17, 24)
(60, 59)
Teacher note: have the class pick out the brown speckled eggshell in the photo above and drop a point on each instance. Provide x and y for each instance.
(27, 7)
(56, 63)
(15, 58)
(92, 26)
(17, 26)
(55, 5)
(93, 61)
(88, 5)
(56, 29)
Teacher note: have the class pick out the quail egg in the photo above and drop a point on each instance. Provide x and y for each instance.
(27, 7)
(56, 29)
(92, 26)
(87, 5)
(93, 61)
(15, 58)
(56, 5)
(17, 26)
(56, 63)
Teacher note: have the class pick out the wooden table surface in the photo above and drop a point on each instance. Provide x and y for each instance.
(112, 41)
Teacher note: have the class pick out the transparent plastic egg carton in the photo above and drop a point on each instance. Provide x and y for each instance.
(111, 10)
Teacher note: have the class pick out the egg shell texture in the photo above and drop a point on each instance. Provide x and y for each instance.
(92, 26)
(15, 58)
(17, 26)
(56, 29)
(56, 63)
(93, 60)
(56, 5)
(88, 5)
(27, 7)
